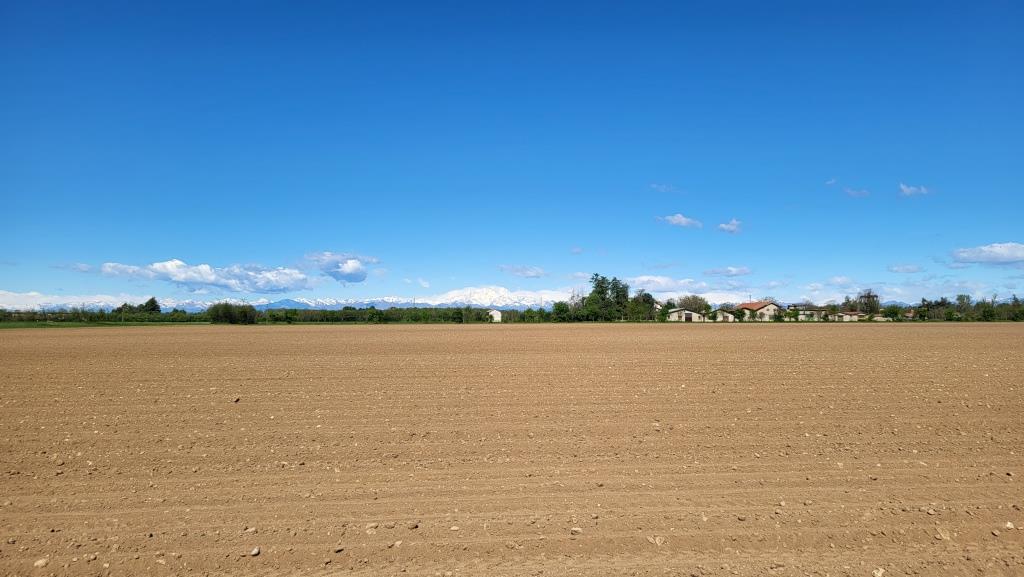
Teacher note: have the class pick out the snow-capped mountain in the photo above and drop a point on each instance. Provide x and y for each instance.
(484, 297)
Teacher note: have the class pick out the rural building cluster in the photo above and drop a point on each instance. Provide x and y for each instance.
(765, 311)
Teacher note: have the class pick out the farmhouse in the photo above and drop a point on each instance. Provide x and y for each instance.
(760, 310)
(848, 316)
(808, 312)
(495, 315)
(724, 316)
(685, 316)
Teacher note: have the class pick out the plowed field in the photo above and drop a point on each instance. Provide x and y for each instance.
(853, 449)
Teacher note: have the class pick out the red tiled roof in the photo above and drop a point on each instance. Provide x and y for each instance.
(755, 306)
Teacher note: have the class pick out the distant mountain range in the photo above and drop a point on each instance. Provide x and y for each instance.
(483, 297)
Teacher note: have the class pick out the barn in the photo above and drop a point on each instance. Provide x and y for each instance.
(724, 316)
(808, 312)
(848, 316)
(685, 316)
(760, 310)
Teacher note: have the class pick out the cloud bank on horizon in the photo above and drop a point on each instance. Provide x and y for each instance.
(207, 284)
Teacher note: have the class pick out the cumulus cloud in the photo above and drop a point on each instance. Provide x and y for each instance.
(905, 268)
(1004, 253)
(731, 227)
(342, 267)
(683, 221)
(522, 270)
(728, 271)
(128, 270)
(856, 192)
(235, 278)
(658, 283)
(908, 190)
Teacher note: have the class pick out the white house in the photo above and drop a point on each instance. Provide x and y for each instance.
(685, 316)
(495, 315)
(724, 316)
(808, 313)
(760, 310)
(848, 316)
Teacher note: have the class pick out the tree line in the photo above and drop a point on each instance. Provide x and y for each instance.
(244, 314)
(608, 300)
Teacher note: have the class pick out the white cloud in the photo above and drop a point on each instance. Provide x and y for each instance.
(657, 283)
(995, 253)
(423, 282)
(856, 192)
(728, 271)
(235, 278)
(908, 190)
(118, 269)
(683, 221)
(732, 227)
(523, 270)
(657, 187)
(840, 281)
(831, 181)
(905, 268)
(576, 250)
(77, 267)
(342, 267)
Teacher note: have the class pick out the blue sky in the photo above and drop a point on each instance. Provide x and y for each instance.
(347, 150)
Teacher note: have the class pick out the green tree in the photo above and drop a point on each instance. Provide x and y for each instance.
(868, 302)
(695, 303)
(560, 312)
(598, 306)
(618, 293)
(892, 312)
(963, 306)
(988, 312)
(232, 314)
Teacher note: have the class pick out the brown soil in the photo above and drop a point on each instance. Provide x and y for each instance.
(475, 450)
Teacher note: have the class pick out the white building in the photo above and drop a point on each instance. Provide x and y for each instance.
(808, 313)
(760, 311)
(685, 316)
(495, 315)
(848, 317)
(724, 316)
